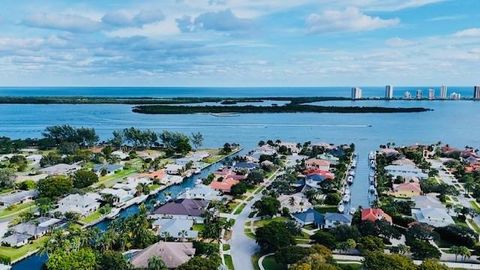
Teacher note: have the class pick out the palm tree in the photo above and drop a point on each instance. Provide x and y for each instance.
(455, 250)
(165, 235)
(182, 234)
(403, 249)
(156, 263)
(465, 252)
(143, 188)
(291, 201)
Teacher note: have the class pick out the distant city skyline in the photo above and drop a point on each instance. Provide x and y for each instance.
(240, 43)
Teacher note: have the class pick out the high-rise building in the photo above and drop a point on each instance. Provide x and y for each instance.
(407, 95)
(476, 92)
(443, 92)
(356, 93)
(455, 96)
(388, 92)
(431, 94)
(419, 94)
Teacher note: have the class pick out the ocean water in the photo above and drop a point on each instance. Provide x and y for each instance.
(453, 122)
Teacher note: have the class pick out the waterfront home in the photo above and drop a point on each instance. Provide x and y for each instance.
(173, 254)
(333, 220)
(309, 217)
(262, 150)
(17, 197)
(319, 164)
(223, 185)
(374, 214)
(201, 192)
(436, 217)
(120, 154)
(174, 169)
(155, 175)
(121, 195)
(228, 173)
(406, 190)
(109, 169)
(403, 161)
(131, 185)
(15, 240)
(245, 166)
(405, 171)
(427, 201)
(81, 204)
(329, 157)
(389, 152)
(182, 209)
(175, 228)
(37, 227)
(149, 154)
(61, 169)
(325, 174)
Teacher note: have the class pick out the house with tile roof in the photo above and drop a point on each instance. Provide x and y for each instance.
(374, 214)
(201, 192)
(81, 204)
(173, 254)
(223, 184)
(309, 217)
(315, 163)
(182, 209)
(406, 190)
(333, 220)
(175, 228)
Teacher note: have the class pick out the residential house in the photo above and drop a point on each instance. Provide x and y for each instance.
(81, 204)
(15, 240)
(329, 157)
(223, 184)
(374, 214)
(174, 169)
(173, 254)
(406, 190)
(290, 146)
(120, 154)
(294, 203)
(389, 152)
(17, 197)
(175, 228)
(107, 168)
(201, 192)
(245, 166)
(315, 163)
(309, 217)
(35, 159)
(182, 209)
(436, 217)
(333, 220)
(405, 171)
(61, 169)
(314, 180)
(121, 195)
(292, 160)
(23, 232)
(427, 201)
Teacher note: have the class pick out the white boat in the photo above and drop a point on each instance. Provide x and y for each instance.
(341, 208)
(347, 191)
(346, 198)
(352, 210)
(372, 174)
(113, 214)
(350, 180)
(197, 171)
(352, 173)
(199, 181)
(372, 179)
(372, 189)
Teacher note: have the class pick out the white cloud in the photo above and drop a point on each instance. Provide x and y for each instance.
(64, 22)
(399, 42)
(122, 18)
(471, 32)
(351, 19)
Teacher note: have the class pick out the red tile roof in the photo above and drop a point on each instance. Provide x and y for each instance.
(374, 214)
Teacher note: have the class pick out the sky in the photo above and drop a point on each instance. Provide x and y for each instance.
(239, 42)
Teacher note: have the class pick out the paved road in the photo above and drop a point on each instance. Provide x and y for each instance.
(242, 247)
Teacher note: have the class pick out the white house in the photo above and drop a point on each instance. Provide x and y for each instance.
(332, 220)
(82, 204)
(405, 171)
(61, 169)
(435, 217)
(122, 195)
(173, 169)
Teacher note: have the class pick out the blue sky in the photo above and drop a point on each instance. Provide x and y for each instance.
(239, 42)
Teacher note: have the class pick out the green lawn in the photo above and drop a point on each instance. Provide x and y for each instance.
(249, 233)
(226, 247)
(350, 265)
(198, 227)
(475, 206)
(17, 253)
(263, 222)
(326, 208)
(111, 180)
(269, 263)
(16, 209)
(239, 209)
(92, 217)
(474, 225)
(229, 262)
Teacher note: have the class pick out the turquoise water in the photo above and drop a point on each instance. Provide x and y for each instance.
(455, 122)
